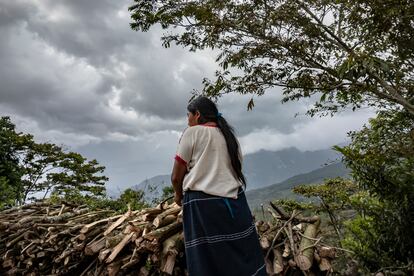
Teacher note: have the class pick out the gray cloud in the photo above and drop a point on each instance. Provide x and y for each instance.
(73, 72)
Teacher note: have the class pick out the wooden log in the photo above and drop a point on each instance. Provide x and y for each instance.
(159, 220)
(286, 251)
(8, 263)
(4, 225)
(119, 247)
(63, 217)
(113, 268)
(292, 263)
(269, 267)
(103, 254)
(164, 232)
(278, 266)
(86, 228)
(164, 220)
(168, 267)
(171, 246)
(154, 211)
(325, 265)
(94, 247)
(118, 222)
(327, 252)
(150, 246)
(90, 235)
(264, 243)
(16, 239)
(113, 241)
(305, 257)
(146, 230)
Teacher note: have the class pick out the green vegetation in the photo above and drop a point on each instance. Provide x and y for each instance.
(128, 199)
(373, 214)
(28, 167)
(381, 157)
(30, 170)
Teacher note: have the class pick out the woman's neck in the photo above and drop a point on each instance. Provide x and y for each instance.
(209, 124)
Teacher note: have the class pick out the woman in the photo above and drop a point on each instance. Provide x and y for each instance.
(219, 232)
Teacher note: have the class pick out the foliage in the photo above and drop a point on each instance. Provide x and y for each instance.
(11, 145)
(134, 198)
(289, 205)
(333, 198)
(334, 193)
(129, 197)
(381, 157)
(346, 53)
(29, 168)
(8, 193)
(381, 195)
(167, 192)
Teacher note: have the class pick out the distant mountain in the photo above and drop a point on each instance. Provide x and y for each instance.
(283, 189)
(265, 168)
(262, 168)
(153, 186)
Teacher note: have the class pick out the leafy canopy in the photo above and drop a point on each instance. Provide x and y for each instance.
(346, 53)
(28, 168)
(381, 157)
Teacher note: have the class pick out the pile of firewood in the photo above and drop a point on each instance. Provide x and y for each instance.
(291, 247)
(46, 239)
(42, 239)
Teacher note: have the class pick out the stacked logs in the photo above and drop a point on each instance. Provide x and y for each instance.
(45, 239)
(291, 247)
(42, 239)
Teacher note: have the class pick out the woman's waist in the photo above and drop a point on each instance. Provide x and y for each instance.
(203, 192)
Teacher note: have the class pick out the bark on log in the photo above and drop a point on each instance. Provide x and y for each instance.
(170, 250)
(118, 222)
(89, 226)
(119, 247)
(94, 247)
(305, 257)
(325, 265)
(327, 252)
(278, 262)
(164, 232)
(164, 220)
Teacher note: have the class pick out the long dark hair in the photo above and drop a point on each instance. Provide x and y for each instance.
(209, 113)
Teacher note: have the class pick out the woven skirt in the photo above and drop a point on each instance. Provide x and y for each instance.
(220, 236)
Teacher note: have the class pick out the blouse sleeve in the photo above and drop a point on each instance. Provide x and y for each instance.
(185, 147)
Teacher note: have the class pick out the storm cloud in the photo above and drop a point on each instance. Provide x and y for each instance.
(74, 73)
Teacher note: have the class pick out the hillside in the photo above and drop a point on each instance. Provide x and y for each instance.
(265, 168)
(283, 189)
(153, 186)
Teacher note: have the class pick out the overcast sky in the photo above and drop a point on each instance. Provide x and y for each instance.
(74, 73)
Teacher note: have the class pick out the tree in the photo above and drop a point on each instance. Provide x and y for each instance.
(380, 195)
(345, 53)
(135, 198)
(11, 144)
(29, 168)
(381, 157)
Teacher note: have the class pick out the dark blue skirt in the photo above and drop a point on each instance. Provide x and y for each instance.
(220, 236)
